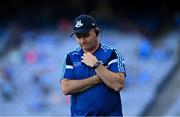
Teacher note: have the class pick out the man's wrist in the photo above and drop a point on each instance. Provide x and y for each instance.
(96, 64)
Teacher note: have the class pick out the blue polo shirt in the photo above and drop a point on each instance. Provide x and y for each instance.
(99, 99)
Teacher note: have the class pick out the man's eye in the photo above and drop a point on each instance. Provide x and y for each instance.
(82, 35)
(86, 35)
(78, 36)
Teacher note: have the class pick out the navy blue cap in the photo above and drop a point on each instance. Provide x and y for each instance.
(83, 24)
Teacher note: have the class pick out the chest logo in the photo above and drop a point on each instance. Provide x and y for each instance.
(76, 64)
(78, 24)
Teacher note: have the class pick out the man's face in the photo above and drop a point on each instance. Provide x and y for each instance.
(87, 41)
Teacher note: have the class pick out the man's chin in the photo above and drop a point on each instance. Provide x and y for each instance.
(85, 48)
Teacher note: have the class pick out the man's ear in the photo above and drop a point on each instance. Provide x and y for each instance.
(97, 31)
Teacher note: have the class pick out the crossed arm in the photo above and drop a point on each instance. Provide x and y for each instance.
(76, 86)
(113, 80)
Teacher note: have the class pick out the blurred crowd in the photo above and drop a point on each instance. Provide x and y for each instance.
(32, 52)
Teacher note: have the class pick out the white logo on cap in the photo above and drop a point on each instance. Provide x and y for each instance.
(78, 24)
(93, 24)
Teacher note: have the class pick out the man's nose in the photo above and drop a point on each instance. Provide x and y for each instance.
(82, 40)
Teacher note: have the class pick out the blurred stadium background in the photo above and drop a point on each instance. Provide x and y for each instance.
(34, 37)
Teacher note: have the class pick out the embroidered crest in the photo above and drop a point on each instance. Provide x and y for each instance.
(78, 24)
(76, 64)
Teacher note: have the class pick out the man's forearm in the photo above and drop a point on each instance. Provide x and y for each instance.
(113, 80)
(76, 86)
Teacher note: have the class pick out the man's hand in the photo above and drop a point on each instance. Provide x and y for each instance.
(89, 59)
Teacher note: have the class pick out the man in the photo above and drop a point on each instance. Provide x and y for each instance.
(93, 74)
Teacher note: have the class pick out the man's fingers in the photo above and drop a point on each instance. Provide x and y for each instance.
(88, 53)
(85, 54)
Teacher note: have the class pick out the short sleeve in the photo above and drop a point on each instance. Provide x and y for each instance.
(67, 68)
(116, 62)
